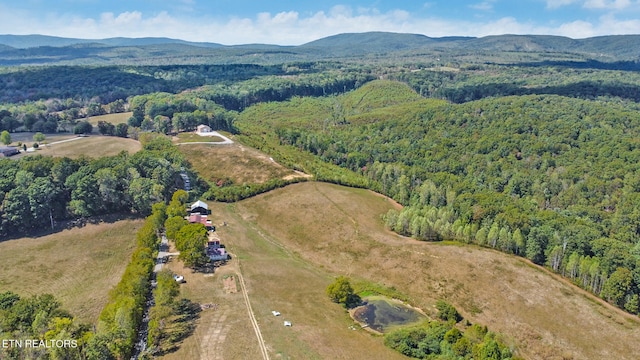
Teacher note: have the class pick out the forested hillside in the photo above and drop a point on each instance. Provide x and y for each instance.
(551, 178)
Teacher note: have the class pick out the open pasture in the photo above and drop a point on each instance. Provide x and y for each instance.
(115, 119)
(293, 240)
(91, 146)
(78, 266)
(235, 162)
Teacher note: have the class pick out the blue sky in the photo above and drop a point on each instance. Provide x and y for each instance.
(288, 22)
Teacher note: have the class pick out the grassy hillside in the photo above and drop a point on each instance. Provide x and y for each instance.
(235, 163)
(277, 278)
(115, 119)
(326, 230)
(78, 266)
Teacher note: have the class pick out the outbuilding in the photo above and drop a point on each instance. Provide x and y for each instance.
(203, 129)
(7, 151)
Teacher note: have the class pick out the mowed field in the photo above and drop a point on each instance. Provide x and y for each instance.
(292, 242)
(91, 146)
(78, 266)
(239, 163)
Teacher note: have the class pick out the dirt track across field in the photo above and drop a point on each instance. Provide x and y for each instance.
(254, 323)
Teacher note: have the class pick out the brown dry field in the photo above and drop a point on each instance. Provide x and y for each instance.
(91, 146)
(189, 137)
(115, 119)
(222, 332)
(239, 163)
(292, 241)
(78, 266)
(276, 279)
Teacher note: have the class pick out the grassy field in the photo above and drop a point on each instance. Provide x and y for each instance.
(91, 146)
(115, 119)
(78, 266)
(192, 137)
(236, 162)
(293, 241)
(276, 279)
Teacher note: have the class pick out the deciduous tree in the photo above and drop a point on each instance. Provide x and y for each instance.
(5, 137)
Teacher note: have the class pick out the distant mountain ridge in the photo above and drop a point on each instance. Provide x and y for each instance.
(31, 41)
(43, 49)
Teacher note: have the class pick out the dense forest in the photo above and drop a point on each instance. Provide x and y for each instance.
(38, 191)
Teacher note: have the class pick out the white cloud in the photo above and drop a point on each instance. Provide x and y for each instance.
(594, 4)
(607, 4)
(554, 4)
(483, 6)
(293, 28)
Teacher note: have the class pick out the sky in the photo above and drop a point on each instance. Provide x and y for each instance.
(289, 22)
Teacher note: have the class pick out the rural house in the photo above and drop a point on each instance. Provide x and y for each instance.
(203, 129)
(214, 250)
(202, 219)
(199, 207)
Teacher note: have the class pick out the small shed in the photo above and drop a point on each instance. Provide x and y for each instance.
(6, 151)
(203, 129)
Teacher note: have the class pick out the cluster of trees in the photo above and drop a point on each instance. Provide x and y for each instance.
(120, 320)
(107, 128)
(53, 115)
(37, 191)
(164, 295)
(167, 113)
(41, 318)
(554, 179)
(443, 340)
(190, 239)
(51, 99)
(446, 339)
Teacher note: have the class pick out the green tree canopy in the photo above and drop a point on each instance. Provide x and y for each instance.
(340, 291)
(5, 137)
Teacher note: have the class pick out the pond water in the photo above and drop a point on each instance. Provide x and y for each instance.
(381, 313)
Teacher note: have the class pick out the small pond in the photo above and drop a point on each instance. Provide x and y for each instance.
(381, 313)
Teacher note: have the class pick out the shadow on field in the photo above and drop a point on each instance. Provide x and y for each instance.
(180, 327)
(68, 225)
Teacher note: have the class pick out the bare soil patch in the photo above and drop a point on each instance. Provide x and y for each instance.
(230, 285)
(223, 331)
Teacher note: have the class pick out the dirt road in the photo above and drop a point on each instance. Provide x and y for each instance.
(254, 322)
